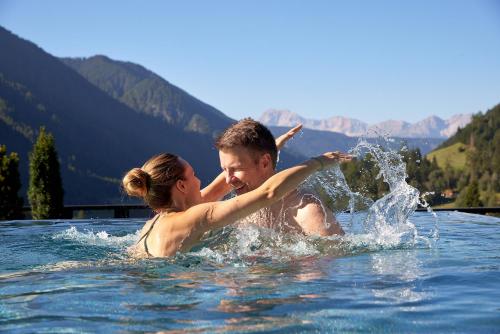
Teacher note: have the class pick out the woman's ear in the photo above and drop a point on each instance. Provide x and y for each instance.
(181, 186)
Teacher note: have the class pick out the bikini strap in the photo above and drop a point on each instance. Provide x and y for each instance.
(145, 235)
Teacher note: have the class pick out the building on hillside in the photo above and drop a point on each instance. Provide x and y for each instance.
(448, 193)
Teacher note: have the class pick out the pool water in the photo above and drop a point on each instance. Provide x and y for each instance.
(76, 276)
(394, 271)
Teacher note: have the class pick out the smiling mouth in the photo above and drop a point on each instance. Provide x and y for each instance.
(238, 188)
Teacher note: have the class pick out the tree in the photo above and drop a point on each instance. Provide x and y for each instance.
(469, 196)
(45, 189)
(11, 205)
(490, 198)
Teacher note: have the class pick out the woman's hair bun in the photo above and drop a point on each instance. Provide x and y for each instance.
(137, 182)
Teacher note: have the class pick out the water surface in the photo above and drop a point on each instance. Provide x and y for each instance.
(60, 276)
(394, 271)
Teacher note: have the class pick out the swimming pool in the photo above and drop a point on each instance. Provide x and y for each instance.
(76, 276)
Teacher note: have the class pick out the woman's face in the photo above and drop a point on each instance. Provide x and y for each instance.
(192, 183)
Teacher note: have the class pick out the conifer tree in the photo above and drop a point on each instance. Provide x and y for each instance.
(469, 197)
(45, 189)
(11, 205)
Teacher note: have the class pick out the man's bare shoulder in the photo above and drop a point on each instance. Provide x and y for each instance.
(300, 198)
(312, 214)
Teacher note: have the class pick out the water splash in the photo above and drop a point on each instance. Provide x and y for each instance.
(100, 238)
(385, 222)
(388, 218)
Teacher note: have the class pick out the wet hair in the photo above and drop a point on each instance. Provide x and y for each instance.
(154, 180)
(250, 134)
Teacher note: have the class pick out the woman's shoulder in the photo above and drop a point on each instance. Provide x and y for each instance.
(151, 221)
(172, 222)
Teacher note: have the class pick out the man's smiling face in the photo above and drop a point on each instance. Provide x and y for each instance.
(244, 169)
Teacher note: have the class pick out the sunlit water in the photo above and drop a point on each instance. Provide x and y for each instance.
(394, 271)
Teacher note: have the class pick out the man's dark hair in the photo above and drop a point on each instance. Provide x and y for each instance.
(250, 134)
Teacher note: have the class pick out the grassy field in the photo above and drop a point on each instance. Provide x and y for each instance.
(454, 155)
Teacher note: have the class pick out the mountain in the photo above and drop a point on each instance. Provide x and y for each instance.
(431, 127)
(286, 118)
(455, 122)
(470, 160)
(390, 127)
(314, 142)
(483, 133)
(98, 137)
(144, 91)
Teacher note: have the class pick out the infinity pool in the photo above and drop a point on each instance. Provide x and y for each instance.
(76, 276)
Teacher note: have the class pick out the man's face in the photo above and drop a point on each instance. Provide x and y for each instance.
(244, 169)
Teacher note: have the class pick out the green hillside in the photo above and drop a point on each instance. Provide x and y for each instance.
(97, 137)
(454, 155)
(146, 92)
(470, 161)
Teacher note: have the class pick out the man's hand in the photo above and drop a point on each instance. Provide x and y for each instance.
(331, 158)
(281, 140)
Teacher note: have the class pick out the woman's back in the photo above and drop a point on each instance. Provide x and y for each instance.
(165, 235)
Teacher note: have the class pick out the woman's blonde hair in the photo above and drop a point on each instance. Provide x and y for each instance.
(154, 180)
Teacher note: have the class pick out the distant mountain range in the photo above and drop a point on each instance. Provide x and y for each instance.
(431, 127)
(313, 142)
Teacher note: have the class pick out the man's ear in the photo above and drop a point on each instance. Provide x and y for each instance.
(181, 186)
(266, 161)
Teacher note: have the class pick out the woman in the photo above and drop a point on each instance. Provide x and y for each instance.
(169, 186)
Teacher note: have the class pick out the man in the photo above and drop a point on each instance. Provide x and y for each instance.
(248, 156)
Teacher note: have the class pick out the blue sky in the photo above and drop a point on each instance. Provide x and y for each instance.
(370, 60)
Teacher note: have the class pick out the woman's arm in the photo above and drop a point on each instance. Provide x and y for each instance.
(219, 214)
(218, 188)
